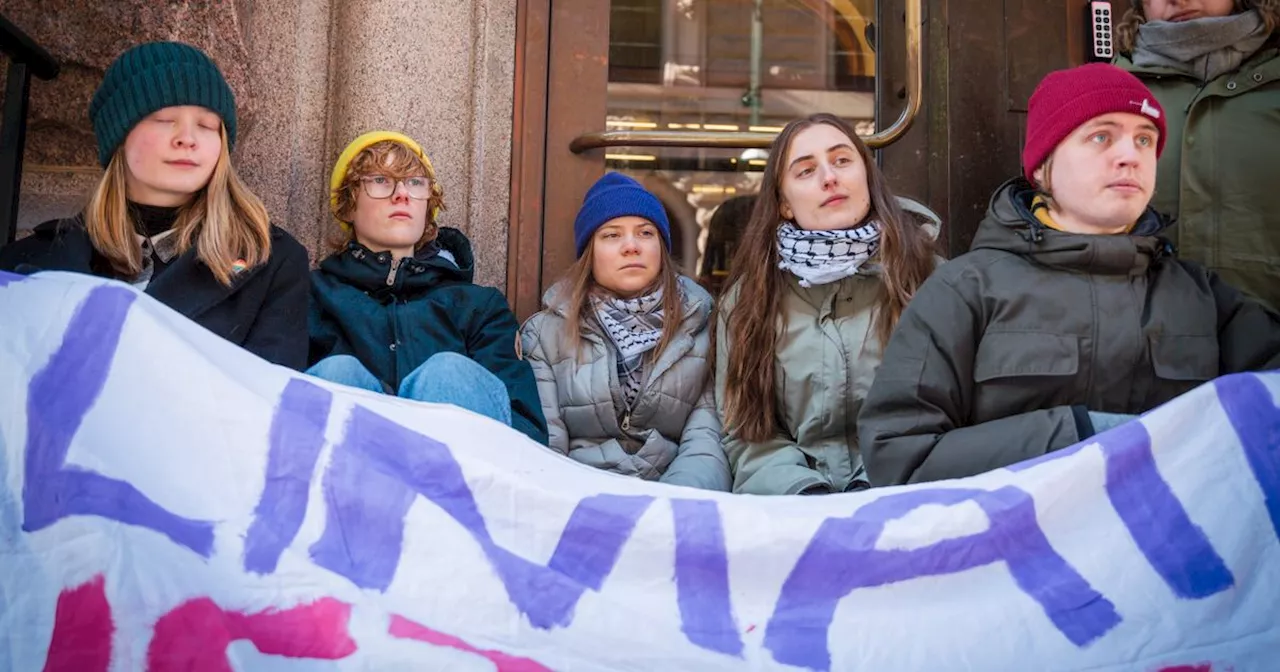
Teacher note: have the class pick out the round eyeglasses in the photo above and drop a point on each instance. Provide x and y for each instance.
(381, 186)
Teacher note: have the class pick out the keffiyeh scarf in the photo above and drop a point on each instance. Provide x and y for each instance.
(820, 257)
(635, 327)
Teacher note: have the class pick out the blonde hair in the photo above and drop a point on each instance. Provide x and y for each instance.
(225, 221)
(1127, 27)
(396, 161)
(1043, 184)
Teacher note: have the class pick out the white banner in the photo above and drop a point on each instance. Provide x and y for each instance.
(170, 502)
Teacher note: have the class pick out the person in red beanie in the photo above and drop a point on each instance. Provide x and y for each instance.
(1069, 315)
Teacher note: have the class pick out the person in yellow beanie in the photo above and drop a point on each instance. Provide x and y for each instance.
(394, 308)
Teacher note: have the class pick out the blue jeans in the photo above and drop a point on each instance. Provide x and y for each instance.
(445, 378)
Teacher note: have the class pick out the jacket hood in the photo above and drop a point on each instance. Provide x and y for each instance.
(697, 302)
(926, 218)
(373, 271)
(1010, 227)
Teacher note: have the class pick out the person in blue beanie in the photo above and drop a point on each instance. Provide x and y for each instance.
(621, 349)
(169, 214)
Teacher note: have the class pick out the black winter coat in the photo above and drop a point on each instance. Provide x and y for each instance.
(264, 310)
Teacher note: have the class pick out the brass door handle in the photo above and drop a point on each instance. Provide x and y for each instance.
(747, 140)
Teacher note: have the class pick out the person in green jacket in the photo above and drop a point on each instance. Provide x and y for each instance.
(1070, 314)
(621, 350)
(394, 309)
(1214, 65)
(827, 263)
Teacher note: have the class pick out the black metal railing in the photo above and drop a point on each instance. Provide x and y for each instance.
(26, 58)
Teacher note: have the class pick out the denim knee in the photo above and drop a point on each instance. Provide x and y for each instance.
(345, 370)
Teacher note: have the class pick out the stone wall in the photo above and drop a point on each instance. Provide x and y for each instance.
(309, 75)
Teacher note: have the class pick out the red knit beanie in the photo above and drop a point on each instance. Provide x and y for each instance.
(1065, 99)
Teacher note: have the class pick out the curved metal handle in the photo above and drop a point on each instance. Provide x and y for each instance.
(741, 140)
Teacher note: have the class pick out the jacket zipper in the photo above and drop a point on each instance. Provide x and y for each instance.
(395, 267)
(644, 387)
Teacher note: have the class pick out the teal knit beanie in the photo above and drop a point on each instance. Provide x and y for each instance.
(152, 76)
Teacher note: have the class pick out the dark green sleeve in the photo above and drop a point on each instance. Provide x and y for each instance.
(493, 345)
(914, 426)
(1248, 332)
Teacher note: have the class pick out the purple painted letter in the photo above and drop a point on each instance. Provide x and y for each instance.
(842, 557)
(297, 435)
(58, 400)
(1256, 419)
(702, 577)
(1178, 550)
(380, 468)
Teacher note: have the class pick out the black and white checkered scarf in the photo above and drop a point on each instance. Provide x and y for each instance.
(820, 257)
(635, 327)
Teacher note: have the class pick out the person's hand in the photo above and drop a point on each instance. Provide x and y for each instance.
(1104, 421)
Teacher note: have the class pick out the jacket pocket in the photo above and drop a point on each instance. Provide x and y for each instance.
(1011, 354)
(1184, 358)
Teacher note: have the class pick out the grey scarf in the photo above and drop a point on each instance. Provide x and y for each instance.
(635, 327)
(819, 257)
(1200, 48)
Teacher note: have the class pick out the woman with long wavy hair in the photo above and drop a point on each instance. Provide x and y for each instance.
(170, 216)
(828, 262)
(1214, 66)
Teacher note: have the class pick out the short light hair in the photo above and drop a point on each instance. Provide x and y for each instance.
(397, 162)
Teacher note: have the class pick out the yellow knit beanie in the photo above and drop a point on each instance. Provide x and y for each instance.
(359, 144)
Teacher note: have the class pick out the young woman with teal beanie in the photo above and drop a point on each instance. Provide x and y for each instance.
(169, 214)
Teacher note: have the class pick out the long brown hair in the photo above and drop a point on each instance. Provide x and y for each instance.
(225, 221)
(581, 285)
(1127, 27)
(906, 256)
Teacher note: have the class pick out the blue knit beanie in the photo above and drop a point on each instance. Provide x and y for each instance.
(616, 195)
(152, 76)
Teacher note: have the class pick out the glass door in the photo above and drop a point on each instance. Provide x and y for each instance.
(685, 96)
(728, 66)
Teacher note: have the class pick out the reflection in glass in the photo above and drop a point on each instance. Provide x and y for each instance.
(728, 65)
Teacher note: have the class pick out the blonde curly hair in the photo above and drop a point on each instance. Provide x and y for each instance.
(1127, 27)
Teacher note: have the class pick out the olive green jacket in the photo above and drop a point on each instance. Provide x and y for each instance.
(1219, 175)
(1004, 350)
(826, 358)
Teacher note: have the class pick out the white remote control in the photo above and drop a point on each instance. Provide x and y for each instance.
(1099, 27)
